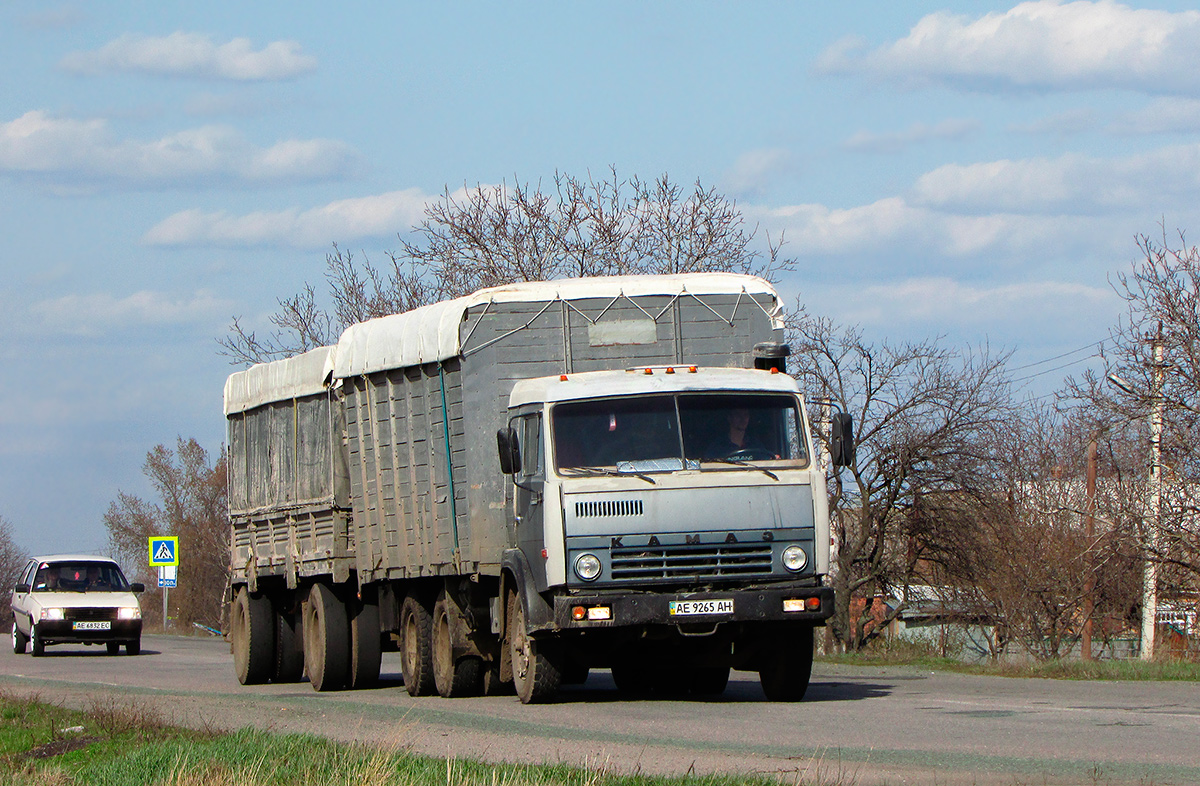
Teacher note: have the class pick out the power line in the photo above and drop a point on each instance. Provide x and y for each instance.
(1094, 344)
(1055, 368)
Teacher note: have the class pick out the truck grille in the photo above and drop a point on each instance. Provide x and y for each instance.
(608, 507)
(708, 561)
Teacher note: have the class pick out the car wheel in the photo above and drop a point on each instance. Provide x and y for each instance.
(113, 647)
(19, 639)
(133, 647)
(35, 638)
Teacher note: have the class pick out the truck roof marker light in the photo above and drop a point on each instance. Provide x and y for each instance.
(545, 554)
(648, 371)
(670, 369)
(692, 369)
(774, 370)
(562, 377)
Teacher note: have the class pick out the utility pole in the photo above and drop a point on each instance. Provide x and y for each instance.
(1089, 585)
(1150, 571)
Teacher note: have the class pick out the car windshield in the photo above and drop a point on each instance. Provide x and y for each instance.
(672, 432)
(79, 577)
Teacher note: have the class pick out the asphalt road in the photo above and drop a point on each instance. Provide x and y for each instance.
(857, 725)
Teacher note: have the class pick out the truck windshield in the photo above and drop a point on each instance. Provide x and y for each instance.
(673, 432)
(79, 577)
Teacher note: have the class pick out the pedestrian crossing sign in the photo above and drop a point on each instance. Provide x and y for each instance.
(164, 551)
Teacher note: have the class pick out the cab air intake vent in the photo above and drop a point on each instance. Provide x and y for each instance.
(607, 508)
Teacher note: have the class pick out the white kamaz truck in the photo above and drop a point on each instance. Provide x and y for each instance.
(529, 482)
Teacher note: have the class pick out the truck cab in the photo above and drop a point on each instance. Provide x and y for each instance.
(669, 520)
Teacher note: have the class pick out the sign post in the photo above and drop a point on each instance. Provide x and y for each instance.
(164, 555)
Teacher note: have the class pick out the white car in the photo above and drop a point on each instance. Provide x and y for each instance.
(75, 599)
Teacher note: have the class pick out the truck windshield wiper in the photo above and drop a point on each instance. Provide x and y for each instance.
(747, 464)
(610, 472)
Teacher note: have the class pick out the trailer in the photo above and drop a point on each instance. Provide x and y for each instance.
(520, 485)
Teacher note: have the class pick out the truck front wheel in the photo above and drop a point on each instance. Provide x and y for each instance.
(536, 664)
(785, 668)
(416, 647)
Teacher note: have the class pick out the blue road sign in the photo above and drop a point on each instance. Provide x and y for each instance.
(164, 551)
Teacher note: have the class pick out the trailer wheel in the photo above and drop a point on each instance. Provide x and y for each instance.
(326, 640)
(416, 647)
(365, 648)
(289, 648)
(536, 664)
(252, 630)
(19, 639)
(786, 667)
(454, 679)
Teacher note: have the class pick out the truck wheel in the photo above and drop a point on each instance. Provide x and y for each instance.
(326, 640)
(632, 678)
(416, 647)
(19, 639)
(38, 646)
(251, 628)
(365, 649)
(786, 667)
(454, 679)
(289, 648)
(536, 665)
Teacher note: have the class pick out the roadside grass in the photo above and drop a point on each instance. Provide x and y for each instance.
(113, 744)
(900, 653)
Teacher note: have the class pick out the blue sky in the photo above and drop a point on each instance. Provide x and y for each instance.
(977, 171)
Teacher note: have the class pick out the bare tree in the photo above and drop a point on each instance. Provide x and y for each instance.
(12, 559)
(494, 235)
(193, 505)
(924, 415)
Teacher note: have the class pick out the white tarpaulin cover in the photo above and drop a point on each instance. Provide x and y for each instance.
(431, 333)
(303, 375)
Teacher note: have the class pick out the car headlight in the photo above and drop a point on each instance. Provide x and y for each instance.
(587, 567)
(129, 614)
(53, 614)
(794, 559)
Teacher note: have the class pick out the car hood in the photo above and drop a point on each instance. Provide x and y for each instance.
(75, 600)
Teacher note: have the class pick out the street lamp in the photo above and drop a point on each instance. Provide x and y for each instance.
(1150, 568)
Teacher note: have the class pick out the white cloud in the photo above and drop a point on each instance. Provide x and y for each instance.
(753, 171)
(918, 133)
(194, 55)
(66, 150)
(1072, 183)
(343, 221)
(100, 313)
(1161, 116)
(1039, 45)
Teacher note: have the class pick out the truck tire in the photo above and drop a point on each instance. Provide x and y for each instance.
(252, 631)
(326, 640)
(37, 645)
(19, 639)
(453, 678)
(786, 666)
(536, 664)
(366, 651)
(416, 647)
(632, 678)
(289, 648)
(708, 680)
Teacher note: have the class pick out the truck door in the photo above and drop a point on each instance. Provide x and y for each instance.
(530, 482)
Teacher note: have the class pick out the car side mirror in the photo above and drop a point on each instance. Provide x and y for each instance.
(841, 439)
(137, 586)
(21, 589)
(510, 451)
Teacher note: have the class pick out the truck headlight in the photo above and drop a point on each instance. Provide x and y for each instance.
(587, 567)
(129, 614)
(52, 614)
(794, 559)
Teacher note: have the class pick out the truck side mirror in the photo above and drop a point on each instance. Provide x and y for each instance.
(841, 439)
(510, 451)
(21, 589)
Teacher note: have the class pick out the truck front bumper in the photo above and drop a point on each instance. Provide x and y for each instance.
(811, 605)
